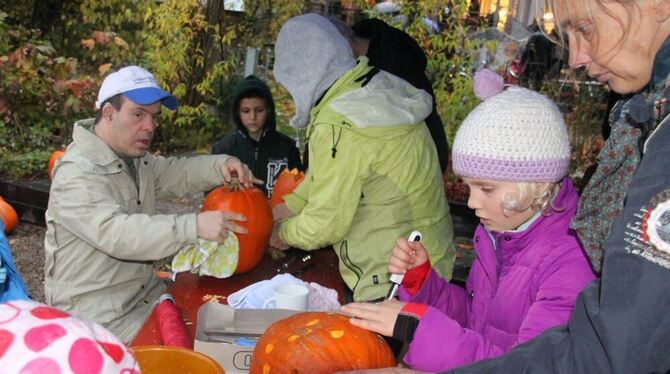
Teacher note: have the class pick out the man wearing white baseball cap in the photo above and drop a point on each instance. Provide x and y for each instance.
(103, 233)
(136, 84)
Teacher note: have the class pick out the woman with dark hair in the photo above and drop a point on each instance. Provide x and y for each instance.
(392, 50)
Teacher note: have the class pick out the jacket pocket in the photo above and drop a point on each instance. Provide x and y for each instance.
(111, 303)
(349, 264)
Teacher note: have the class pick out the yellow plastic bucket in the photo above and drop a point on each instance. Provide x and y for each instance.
(155, 359)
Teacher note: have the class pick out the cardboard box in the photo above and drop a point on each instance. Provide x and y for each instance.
(228, 335)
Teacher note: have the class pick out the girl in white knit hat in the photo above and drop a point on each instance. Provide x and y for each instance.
(513, 153)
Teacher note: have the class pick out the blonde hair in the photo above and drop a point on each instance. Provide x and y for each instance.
(535, 195)
(550, 6)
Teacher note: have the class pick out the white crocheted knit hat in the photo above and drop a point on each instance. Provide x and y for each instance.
(517, 135)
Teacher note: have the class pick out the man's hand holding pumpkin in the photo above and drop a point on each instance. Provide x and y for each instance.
(214, 225)
(234, 167)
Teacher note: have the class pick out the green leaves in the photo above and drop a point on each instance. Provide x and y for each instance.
(194, 48)
(24, 164)
(197, 50)
(450, 53)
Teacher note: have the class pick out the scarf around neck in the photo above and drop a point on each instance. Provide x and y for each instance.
(631, 120)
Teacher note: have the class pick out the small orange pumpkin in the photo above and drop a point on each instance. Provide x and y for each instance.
(52, 161)
(252, 203)
(318, 342)
(8, 216)
(285, 184)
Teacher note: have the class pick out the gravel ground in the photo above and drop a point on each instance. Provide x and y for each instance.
(27, 244)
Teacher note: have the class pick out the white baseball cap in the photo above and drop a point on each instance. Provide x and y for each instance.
(136, 84)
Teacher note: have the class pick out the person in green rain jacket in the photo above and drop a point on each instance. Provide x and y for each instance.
(373, 172)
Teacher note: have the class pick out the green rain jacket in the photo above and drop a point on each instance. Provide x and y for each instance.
(373, 176)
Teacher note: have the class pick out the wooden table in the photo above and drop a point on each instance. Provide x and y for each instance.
(191, 291)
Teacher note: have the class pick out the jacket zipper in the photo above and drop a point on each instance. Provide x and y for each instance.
(496, 249)
(497, 252)
(256, 163)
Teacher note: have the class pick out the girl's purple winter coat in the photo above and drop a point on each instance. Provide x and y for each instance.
(513, 293)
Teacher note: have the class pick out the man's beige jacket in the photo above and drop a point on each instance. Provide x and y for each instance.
(103, 234)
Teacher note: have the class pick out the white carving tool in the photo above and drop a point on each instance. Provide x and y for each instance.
(396, 279)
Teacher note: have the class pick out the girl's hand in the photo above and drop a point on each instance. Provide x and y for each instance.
(379, 318)
(406, 256)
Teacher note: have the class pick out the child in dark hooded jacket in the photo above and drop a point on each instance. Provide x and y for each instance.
(256, 142)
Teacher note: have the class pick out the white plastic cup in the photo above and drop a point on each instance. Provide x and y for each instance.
(288, 296)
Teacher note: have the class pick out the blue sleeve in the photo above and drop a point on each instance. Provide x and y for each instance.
(12, 287)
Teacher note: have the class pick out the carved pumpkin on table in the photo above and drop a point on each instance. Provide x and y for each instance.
(252, 203)
(8, 216)
(285, 184)
(318, 342)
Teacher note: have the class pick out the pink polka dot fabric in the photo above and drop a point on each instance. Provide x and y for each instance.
(36, 338)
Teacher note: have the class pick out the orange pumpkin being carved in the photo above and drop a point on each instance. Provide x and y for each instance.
(8, 216)
(252, 203)
(318, 342)
(285, 184)
(52, 160)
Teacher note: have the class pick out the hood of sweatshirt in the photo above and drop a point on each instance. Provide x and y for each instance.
(252, 84)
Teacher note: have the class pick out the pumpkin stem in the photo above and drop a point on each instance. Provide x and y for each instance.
(234, 184)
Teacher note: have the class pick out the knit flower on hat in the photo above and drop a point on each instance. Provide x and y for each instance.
(487, 83)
